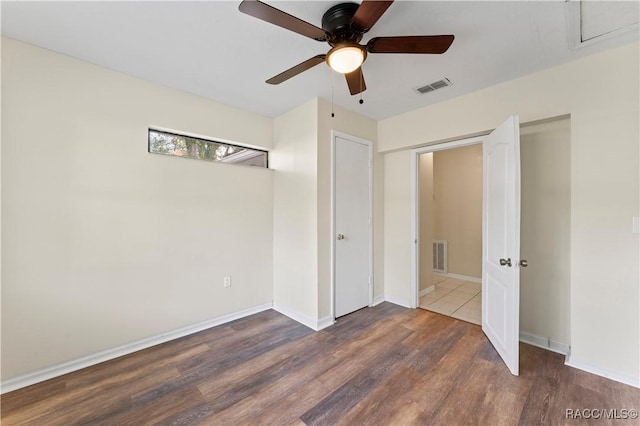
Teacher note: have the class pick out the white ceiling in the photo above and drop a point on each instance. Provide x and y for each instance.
(212, 50)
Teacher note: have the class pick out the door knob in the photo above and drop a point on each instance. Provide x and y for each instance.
(505, 262)
(523, 263)
(340, 237)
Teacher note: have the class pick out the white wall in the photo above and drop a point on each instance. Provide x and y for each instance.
(545, 230)
(601, 92)
(103, 243)
(295, 217)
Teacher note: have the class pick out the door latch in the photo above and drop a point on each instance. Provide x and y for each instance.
(340, 237)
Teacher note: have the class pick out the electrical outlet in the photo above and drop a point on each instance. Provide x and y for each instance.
(227, 281)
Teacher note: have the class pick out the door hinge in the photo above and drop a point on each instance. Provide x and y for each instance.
(369, 279)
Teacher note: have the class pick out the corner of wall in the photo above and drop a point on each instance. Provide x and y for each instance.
(295, 241)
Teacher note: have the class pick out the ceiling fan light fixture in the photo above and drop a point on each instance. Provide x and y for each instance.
(343, 26)
(346, 58)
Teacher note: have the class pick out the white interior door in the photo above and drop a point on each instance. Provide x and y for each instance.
(501, 240)
(351, 224)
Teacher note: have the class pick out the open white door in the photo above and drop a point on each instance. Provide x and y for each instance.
(501, 240)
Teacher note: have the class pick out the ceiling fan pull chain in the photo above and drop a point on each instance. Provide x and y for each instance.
(332, 77)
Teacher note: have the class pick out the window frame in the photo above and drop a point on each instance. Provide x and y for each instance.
(208, 140)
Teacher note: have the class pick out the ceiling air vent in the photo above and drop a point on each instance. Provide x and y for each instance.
(434, 86)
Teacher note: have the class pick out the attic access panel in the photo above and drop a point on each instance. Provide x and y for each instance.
(593, 21)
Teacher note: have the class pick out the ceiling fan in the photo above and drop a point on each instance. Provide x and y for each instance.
(343, 26)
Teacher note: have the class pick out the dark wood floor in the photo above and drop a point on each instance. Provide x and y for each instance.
(385, 365)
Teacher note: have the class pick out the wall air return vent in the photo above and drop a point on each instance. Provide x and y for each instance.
(440, 256)
(434, 86)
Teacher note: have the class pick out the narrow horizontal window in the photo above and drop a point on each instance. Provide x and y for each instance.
(202, 149)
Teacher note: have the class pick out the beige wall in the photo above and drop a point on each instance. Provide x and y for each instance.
(353, 124)
(103, 243)
(130, 245)
(457, 175)
(302, 207)
(426, 209)
(545, 230)
(601, 92)
(397, 227)
(295, 217)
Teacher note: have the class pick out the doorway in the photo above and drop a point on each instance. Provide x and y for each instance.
(545, 232)
(450, 215)
(500, 237)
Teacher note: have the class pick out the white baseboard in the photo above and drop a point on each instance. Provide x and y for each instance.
(378, 300)
(544, 343)
(324, 323)
(463, 278)
(303, 319)
(397, 301)
(426, 291)
(603, 372)
(106, 355)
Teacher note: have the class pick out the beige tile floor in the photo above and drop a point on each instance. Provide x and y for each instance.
(455, 298)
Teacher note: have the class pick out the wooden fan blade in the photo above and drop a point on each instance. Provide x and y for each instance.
(293, 71)
(368, 14)
(355, 81)
(274, 16)
(410, 44)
